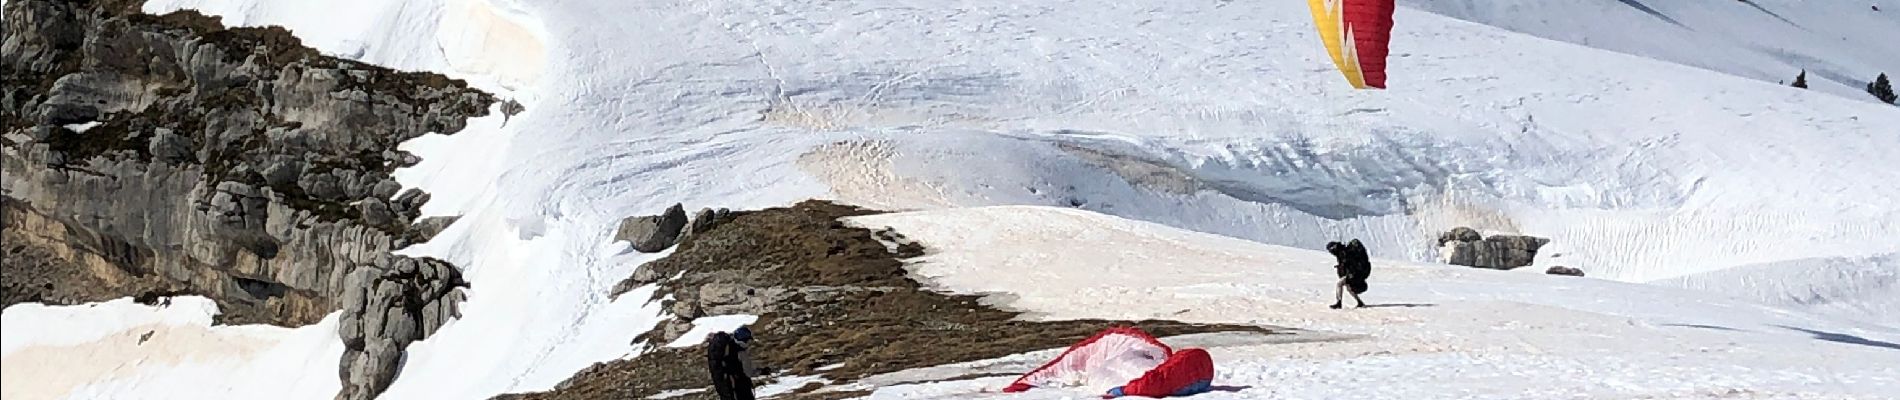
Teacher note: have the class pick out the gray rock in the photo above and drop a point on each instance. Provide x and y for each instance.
(653, 233)
(427, 228)
(1563, 270)
(646, 276)
(701, 222)
(321, 186)
(509, 108)
(385, 189)
(376, 213)
(352, 183)
(723, 293)
(62, 114)
(410, 202)
(282, 171)
(403, 301)
(370, 372)
(1460, 234)
(673, 329)
(1464, 246)
(42, 132)
(687, 309)
(227, 130)
(403, 325)
(704, 221)
(405, 159)
(729, 298)
(170, 147)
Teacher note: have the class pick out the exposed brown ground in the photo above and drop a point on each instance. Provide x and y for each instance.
(839, 296)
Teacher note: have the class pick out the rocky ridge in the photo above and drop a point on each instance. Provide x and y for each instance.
(168, 154)
(833, 300)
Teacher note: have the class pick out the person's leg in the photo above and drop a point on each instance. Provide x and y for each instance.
(742, 387)
(1339, 294)
(722, 384)
(1355, 299)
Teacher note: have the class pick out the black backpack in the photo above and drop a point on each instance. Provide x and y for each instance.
(719, 348)
(1358, 262)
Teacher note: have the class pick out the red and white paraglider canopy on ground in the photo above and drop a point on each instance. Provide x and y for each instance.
(1118, 358)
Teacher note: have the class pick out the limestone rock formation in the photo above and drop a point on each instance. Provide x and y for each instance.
(234, 164)
(384, 309)
(1465, 246)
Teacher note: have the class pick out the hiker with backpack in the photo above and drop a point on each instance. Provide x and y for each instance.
(730, 364)
(1353, 268)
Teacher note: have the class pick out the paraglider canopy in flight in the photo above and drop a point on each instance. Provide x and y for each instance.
(1356, 34)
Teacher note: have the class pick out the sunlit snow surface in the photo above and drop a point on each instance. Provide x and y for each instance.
(1217, 117)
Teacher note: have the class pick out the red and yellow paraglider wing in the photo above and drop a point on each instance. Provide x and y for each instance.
(1356, 33)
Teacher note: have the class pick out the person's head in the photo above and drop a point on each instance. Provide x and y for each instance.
(743, 334)
(1335, 248)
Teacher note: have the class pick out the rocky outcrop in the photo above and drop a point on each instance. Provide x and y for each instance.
(1465, 246)
(426, 228)
(833, 300)
(1460, 234)
(704, 220)
(230, 163)
(384, 309)
(40, 263)
(652, 233)
(1563, 270)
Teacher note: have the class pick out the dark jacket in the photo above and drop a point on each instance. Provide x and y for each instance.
(723, 354)
(727, 368)
(1354, 264)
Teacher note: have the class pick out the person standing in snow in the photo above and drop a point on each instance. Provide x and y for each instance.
(725, 361)
(1353, 268)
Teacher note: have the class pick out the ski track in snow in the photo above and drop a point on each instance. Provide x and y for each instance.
(1217, 117)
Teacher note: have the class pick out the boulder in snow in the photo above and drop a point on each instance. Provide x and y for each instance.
(653, 233)
(1465, 246)
(1460, 234)
(1563, 270)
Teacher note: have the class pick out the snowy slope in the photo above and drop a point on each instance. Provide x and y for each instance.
(1238, 97)
(1432, 331)
(1220, 117)
(1841, 44)
(490, 43)
(1858, 288)
(121, 349)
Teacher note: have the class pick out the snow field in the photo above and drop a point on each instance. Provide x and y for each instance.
(1431, 331)
(124, 350)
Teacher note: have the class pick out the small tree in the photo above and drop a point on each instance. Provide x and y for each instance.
(1882, 89)
(1801, 81)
